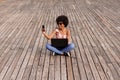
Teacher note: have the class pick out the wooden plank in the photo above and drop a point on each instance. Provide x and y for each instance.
(31, 70)
(29, 58)
(8, 36)
(105, 47)
(115, 64)
(57, 68)
(115, 75)
(41, 61)
(63, 68)
(52, 68)
(76, 72)
(106, 69)
(69, 69)
(94, 27)
(45, 75)
(95, 49)
(28, 39)
(15, 51)
(3, 58)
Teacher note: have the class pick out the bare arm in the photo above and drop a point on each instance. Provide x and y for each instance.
(49, 36)
(68, 35)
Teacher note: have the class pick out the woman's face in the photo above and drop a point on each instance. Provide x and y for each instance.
(61, 25)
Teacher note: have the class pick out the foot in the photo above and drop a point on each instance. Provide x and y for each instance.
(67, 53)
(53, 53)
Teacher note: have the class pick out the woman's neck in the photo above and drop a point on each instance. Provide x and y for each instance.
(62, 29)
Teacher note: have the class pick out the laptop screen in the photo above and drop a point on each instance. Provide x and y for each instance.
(59, 43)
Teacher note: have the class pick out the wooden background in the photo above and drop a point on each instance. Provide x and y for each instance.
(95, 30)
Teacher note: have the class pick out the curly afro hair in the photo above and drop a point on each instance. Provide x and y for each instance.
(62, 18)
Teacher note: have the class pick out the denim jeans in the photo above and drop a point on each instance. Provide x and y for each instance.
(60, 51)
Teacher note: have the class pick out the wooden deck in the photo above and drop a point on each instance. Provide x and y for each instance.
(95, 29)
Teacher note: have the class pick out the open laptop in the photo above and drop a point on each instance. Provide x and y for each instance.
(59, 43)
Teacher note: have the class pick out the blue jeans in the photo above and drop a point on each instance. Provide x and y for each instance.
(60, 51)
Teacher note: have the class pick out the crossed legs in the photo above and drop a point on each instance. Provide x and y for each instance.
(61, 51)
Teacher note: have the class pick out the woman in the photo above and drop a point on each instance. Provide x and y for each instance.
(60, 32)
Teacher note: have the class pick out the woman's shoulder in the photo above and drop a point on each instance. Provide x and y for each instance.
(68, 30)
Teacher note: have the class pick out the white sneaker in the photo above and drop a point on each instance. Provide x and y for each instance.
(68, 54)
(53, 53)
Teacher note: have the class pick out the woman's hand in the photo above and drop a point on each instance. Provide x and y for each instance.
(43, 28)
(48, 36)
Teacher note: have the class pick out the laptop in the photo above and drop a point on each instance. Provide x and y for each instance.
(59, 43)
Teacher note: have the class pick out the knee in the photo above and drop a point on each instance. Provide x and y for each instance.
(72, 46)
(48, 46)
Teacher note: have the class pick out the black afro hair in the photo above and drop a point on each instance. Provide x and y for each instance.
(62, 18)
